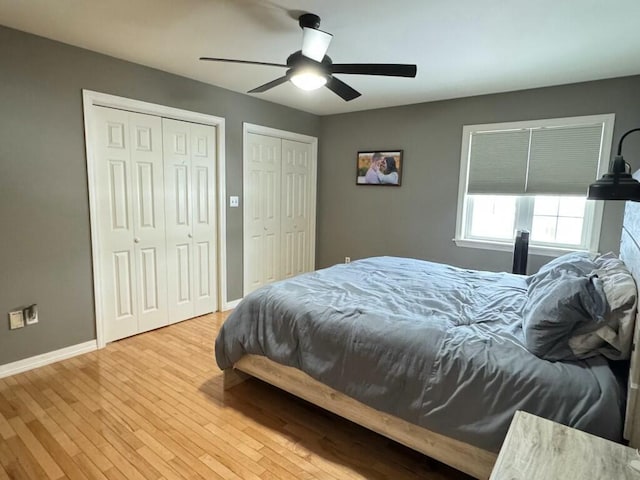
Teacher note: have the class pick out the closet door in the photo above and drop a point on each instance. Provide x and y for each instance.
(130, 220)
(296, 208)
(189, 168)
(148, 219)
(177, 175)
(203, 174)
(262, 211)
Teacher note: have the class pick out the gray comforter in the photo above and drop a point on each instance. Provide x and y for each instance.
(436, 345)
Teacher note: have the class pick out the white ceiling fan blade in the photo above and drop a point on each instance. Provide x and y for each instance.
(315, 43)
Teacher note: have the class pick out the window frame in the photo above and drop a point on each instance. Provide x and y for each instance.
(593, 211)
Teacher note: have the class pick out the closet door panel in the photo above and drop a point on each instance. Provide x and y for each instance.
(203, 163)
(183, 279)
(118, 198)
(178, 214)
(181, 201)
(296, 211)
(252, 259)
(152, 276)
(262, 211)
(270, 262)
(149, 221)
(124, 288)
(116, 226)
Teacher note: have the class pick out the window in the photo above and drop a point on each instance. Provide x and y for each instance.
(532, 176)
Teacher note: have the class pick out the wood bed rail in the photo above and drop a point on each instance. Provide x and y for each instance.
(459, 455)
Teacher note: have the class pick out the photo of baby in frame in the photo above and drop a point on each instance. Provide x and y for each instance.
(379, 167)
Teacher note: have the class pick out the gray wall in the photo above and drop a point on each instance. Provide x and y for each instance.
(45, 249)
(418, 219)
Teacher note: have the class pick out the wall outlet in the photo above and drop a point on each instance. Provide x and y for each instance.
(347, 259)
(31, 314)
(234, 201)
(16, 319)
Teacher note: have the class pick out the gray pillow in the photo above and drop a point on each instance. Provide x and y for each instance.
(614, 339)
(559, 306)
(580, 263)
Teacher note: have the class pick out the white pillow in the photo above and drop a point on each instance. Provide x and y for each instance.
(614, 339)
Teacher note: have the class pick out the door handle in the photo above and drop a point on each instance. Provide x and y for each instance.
(189, 235)
(136, 240)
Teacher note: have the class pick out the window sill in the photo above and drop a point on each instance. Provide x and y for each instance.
(508, 247)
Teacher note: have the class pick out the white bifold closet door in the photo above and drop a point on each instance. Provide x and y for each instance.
(279, 208)
(262, 198)
(130, 193)
(189, 182)
(295, 208)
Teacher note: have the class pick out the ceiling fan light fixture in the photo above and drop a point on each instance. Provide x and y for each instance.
(308, 79)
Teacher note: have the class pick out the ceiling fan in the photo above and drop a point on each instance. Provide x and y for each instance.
(310, 68)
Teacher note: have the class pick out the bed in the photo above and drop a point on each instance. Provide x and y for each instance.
(439, 339)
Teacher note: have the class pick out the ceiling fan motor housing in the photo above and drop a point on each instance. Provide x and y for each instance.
(309, 20)
(297, 61)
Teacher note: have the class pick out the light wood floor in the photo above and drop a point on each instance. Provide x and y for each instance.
(152, 407)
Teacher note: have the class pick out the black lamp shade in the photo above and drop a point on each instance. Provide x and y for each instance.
(615, 187)
(617, 184)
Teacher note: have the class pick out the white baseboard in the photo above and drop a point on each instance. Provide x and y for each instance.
(30, 363)
(230, 305)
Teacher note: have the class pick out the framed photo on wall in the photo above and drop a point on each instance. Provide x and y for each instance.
(382, 168)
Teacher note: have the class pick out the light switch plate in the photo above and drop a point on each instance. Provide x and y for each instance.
(234, 201)
(16, 319)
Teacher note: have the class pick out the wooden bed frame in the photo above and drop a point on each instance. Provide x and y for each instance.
(459, 455)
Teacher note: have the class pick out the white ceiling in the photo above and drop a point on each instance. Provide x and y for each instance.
(462, 48)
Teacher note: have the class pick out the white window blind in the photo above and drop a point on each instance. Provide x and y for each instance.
(498, 162)
(560, 160)
(564, 160)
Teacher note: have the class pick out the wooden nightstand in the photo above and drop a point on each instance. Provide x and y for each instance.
(536, 448)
